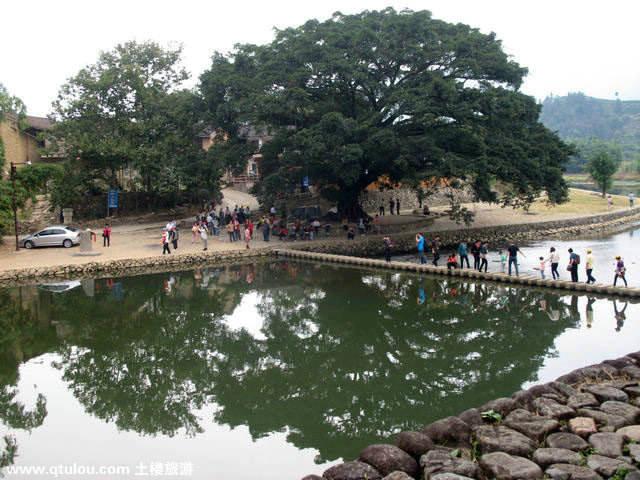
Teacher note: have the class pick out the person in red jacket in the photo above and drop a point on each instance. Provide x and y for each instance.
(106, 235)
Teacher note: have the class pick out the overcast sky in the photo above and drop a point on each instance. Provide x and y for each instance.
(568, 45)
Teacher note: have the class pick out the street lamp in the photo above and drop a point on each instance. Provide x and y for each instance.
(14, 203)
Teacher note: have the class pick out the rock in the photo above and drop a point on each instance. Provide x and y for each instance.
(631, 371)
(565, 471)
(439, 461)
(631, 433)
(602, 418)
(312, 477)
(628, 412)
(398, 476)
(471, 417)
(605, 392)
(551, 408)
(450, 430)
(606, 466)
(389, 458)
(633, 391)
(582, 426)
(634, 452)
(633, 475)
(567, 441)
(556, 397)
(607, 444)
(548, 456)
(580, 400)
(620, 363)
(503, 439)
(352, 471)
(533, 426)
(449, 476)
(563, 389)
(502, 466)
(503, 406)
(414, 443)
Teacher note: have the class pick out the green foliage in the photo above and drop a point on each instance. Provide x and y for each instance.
(126, 117)
(491, 416)
(620, 474)
(386, 93)
(8, 455)
(13, 105)
(586, 120)
(601, 167)
(587, 148)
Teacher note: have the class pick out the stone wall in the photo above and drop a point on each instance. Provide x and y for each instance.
(585, 425)
(372, 199)
(372, 245)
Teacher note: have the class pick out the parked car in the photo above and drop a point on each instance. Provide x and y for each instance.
(53, 236)
(60, 287)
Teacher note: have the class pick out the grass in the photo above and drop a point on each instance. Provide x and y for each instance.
(580, 202)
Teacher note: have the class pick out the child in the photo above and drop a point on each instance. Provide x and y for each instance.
(165, 242)
(620, 271)
(543, 264)
(452, 261)
(503, 260)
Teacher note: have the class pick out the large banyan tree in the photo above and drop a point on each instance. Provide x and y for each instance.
(398, 95)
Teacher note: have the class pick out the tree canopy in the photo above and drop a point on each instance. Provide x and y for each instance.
(601, 167)
(386, 93)
(129, 112)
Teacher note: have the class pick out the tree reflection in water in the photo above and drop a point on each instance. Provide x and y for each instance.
(343, 357)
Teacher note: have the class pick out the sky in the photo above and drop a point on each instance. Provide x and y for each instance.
(567, 45)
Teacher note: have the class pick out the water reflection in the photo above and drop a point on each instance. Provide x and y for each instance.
(336, 357)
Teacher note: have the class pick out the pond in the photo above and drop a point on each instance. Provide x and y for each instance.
(272, 370)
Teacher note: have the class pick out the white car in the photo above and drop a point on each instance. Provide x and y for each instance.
(54, 236)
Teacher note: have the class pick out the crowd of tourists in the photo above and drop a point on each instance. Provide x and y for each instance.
(508, 259)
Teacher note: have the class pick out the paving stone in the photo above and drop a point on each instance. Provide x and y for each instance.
(605, 392)
(414, 443)
(352, 471)
(565, 471)
(389, 458)
(606, 466)
(629, 412)
(440, 461)
(551, 408)
(584, 399)
(549, 456)
(607, 444)
(502, 466)
(603, 418)
(566, 440)
(582, 426)
(503, 439)
(533, 426)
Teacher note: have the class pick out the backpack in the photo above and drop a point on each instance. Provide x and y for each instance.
(577, 259)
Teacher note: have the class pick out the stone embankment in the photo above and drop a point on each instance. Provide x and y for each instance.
(372, 245)
(585, 425)
(526, 280)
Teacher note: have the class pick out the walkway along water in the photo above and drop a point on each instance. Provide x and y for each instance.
(464, 273)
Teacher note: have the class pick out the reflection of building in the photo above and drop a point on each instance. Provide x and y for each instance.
(22, 141)
(256, 137)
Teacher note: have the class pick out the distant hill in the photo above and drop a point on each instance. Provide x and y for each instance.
(582, 119)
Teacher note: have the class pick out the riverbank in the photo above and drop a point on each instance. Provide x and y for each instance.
(136, 248)
(583, 425)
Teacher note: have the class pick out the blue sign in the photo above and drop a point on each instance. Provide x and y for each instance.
(112, 199)
(305, 181)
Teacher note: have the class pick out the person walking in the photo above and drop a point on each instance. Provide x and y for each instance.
(165, 242)
(484, 252)
(175, 235)
(513, 251)
(463, 253)
(391, 206)
(204, 237)
(589, 267)
(397, 206)
(266, 229)
(381, 210)
(574, 261)
(609, 202)
(620, 271)
(475, 251)
(543, 266)
(554, 260)
(387, 248)
(435, 250)
(106, 235)
(230, 231)
(420, 246)
(247, 237)
(632, 199)
(194, 232)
